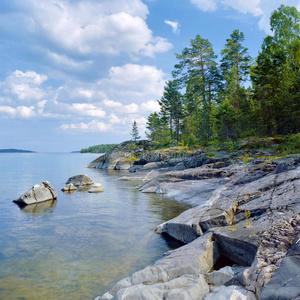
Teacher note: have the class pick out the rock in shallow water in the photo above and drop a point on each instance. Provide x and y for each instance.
(80, 180)
(95, 191)
(69, 188)
(38, 193)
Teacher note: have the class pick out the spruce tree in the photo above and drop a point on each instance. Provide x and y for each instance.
(135, 132)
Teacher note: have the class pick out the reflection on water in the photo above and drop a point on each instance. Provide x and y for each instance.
(45, 207)
(78, 246)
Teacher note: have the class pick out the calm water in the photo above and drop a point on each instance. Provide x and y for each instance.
(79, 246)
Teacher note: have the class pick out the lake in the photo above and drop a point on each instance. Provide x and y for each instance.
(83, 243)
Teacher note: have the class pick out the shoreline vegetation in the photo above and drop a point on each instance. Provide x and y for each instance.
(16, 151)
(216, 102)
(103, 148)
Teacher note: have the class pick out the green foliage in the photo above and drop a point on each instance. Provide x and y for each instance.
(207, 103)
(225, 120)
(291, 145)
(99, 148)
(276, 75)
(135, 132)
(172, 109)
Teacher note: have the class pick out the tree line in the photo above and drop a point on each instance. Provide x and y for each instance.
(99, 148)
(210, 100)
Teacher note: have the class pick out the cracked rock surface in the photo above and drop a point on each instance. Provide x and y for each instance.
(38, 193)
(242, 237)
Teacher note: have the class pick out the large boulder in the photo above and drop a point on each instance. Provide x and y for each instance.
(38, 193)
(80, 180)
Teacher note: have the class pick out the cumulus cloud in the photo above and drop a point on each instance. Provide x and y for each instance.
(133, 81)
(150, 106)
(205, 5)
(257, 8)
(252, 7)
(84, 109)
(25, 85)
(92, 126)
(93, 27)
(21, 111)
(174, 25)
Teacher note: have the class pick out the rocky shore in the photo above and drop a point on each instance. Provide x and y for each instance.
(242, 236)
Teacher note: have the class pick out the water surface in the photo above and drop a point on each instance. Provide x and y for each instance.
(78, 246)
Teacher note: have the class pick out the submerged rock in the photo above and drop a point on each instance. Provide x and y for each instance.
(95, 191)
(80, 180)
(38, 193)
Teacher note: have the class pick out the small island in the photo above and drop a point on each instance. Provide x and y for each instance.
(16, 151)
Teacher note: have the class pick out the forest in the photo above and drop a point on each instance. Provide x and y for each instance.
(99, 148)
(213, 100)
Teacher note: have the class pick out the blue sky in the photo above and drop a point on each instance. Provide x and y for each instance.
(76, 73)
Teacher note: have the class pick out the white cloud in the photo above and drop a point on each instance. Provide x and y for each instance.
(112, 103)
(63, 60)
(150, 106)
(174, 25)
(24, 112)
(90, 27)
(257, 8)
(26, 86)
(252, 7)
(120, 108)
(129, 81)
(205, 5)
(84, 109)
(85, 93)
(92, 126)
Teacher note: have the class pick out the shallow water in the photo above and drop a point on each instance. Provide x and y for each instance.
(78, 246)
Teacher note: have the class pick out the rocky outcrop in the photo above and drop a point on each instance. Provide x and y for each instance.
(242, 237)
(80, 180)
(121, 157)
(38, 193)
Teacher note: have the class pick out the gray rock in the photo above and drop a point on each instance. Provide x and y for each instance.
(230, 292)
(69, 188)
(80, 180)
(175, 276)
(123, 164)
(254, 224)
(38, 193)
(151, 165)
(217, 278)
(96, 191)
(285, 283)
(97, 185)
(118, 157)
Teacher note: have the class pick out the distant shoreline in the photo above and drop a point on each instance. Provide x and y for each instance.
(16, 151)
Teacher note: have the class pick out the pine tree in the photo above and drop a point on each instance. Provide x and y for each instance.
(197, 72)
(172, 109)
(276, 74)
(235, 66)
(135, 132)
(158, 129)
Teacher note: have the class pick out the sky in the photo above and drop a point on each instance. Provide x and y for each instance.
(77, 73)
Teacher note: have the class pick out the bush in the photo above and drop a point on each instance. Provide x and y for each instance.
(290, 145)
